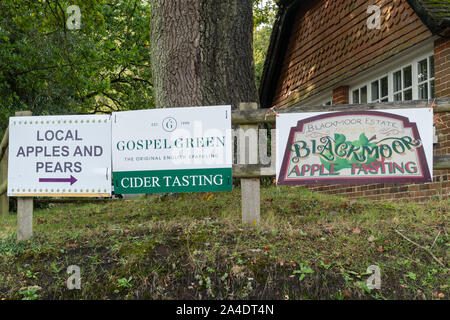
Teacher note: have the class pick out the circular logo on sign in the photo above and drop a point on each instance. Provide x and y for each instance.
(169, 124)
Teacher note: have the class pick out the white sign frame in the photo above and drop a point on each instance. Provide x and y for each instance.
(60, 156)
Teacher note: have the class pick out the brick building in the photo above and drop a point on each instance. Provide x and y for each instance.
(333, 52)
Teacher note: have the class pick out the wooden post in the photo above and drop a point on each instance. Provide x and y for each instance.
(4, 200)
(24, 207)
(24, 218)
(250, 188)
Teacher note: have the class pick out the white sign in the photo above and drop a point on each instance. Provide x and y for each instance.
(172, 150)
(60, 156)
(377, 146)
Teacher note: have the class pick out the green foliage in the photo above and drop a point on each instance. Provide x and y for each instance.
(411, 275)
(125, 283)
(48, 69)
(103, 67)
(264, 13)
(261, 38)
(303, 271)
(188, 247)
(30, 293)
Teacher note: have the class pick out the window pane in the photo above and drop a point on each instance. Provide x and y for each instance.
(384, 87)
(364, 94)
(432, 67)
(398, 97)
(356, 96)
(423, 91)
(407, 77)
(432, 89)
(397, 81)
(384, 100)
(422, 70)
(375, 90)
(407, 94)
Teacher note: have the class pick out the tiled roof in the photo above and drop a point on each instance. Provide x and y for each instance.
(277, 46)
(435, 14)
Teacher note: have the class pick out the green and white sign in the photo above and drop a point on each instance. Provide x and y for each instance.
(172, 150)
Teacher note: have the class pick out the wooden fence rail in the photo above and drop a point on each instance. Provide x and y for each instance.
(262, 116)
(248, 117)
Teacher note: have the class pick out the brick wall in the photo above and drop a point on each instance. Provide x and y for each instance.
(442, 67)
(340, 95)
(330, 42)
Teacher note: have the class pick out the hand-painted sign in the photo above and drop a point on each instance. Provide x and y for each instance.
(355, 147)
(172, 150)
(60, 156)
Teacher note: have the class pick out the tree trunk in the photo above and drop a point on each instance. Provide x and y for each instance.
(201, 52)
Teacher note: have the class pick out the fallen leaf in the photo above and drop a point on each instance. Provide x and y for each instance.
(237, 271)
(380, 248)
(356, 231)
(30, 288)
(281, 262)
(347, 293)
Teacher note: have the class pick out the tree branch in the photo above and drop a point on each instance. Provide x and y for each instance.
(423, 248)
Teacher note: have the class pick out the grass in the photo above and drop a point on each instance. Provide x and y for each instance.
(193, 246)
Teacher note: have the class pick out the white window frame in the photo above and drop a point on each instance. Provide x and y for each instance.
(359, 89)
(380, 97)
(428, 80)
(403, 89)
(415, 80)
